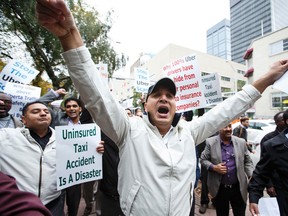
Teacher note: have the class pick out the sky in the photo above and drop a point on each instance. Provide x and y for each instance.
(149, 26)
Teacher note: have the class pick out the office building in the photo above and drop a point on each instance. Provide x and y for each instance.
(251, 19)
(219, 40)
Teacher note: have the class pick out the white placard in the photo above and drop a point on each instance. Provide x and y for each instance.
(16, 72)
(187, 77)
(142, 80)
(21, 94)
(212, 89)
(281, 84)
(76, 157)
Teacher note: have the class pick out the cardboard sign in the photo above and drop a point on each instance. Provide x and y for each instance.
(76, 157)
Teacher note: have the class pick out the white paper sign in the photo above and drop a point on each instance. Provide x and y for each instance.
(21, 94)
(187, 77)
(268, 206)
(16, 72)
(212, 89)
(281, 84)
(142, 80)
(76, 157)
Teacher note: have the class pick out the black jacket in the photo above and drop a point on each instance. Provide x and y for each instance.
(274, 157)
(110, 161)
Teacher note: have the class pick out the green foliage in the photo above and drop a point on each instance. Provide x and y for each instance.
(136, 99)
(18, 17)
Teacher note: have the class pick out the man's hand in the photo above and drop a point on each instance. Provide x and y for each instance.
(271, 191)
(61, 91)
(100, 148)
(55, 16)
(220, 168)
(253, 207)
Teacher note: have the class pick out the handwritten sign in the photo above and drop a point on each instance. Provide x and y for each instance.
(187, 77)
(21, 94)
(142, 80)
(76, 157)
(16, 72)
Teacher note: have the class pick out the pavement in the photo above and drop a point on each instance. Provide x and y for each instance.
(209, 212)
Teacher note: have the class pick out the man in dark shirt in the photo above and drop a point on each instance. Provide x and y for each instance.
(274, 181)
(274, 158)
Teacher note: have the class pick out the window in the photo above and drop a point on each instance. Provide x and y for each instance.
(279, 100)
(225, 78)
(279, 47)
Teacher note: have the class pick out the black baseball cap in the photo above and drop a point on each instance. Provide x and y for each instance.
(165, 82)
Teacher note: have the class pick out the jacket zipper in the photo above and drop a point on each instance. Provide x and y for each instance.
(40, 176)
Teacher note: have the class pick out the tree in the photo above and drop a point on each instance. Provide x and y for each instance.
(18, 17)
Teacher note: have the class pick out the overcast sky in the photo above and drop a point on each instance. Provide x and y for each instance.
(149, 26)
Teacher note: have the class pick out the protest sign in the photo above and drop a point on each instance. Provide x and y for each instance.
(187, 77)
(142, 80)
(21, 94)
(16, 72)
(103, 70)
(76, 158)
(212, 89)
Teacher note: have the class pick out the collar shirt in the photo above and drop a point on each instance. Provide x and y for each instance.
(228, 157)
(7, 122)
(71, 123)
(166, 136)
(41, 140)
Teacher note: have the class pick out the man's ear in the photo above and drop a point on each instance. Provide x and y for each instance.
(145, 105)
(23, 119)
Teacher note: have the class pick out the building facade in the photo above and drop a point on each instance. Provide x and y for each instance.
(251, 19)
(262, 52)
(219, 40)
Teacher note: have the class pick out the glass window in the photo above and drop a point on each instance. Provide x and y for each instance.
(279, 100)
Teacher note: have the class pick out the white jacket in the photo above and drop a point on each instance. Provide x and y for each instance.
(23, 158)
(154, 179)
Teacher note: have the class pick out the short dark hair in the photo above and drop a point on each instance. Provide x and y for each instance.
(24, 110)
(276, 117)
(285, 116)
(243, 119)
(78, 101)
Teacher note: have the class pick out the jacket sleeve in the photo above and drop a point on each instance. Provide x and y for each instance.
(105, 110)
(50, 96)
(223, 113)
(260, 177)
(205, 158)
(18, 203)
